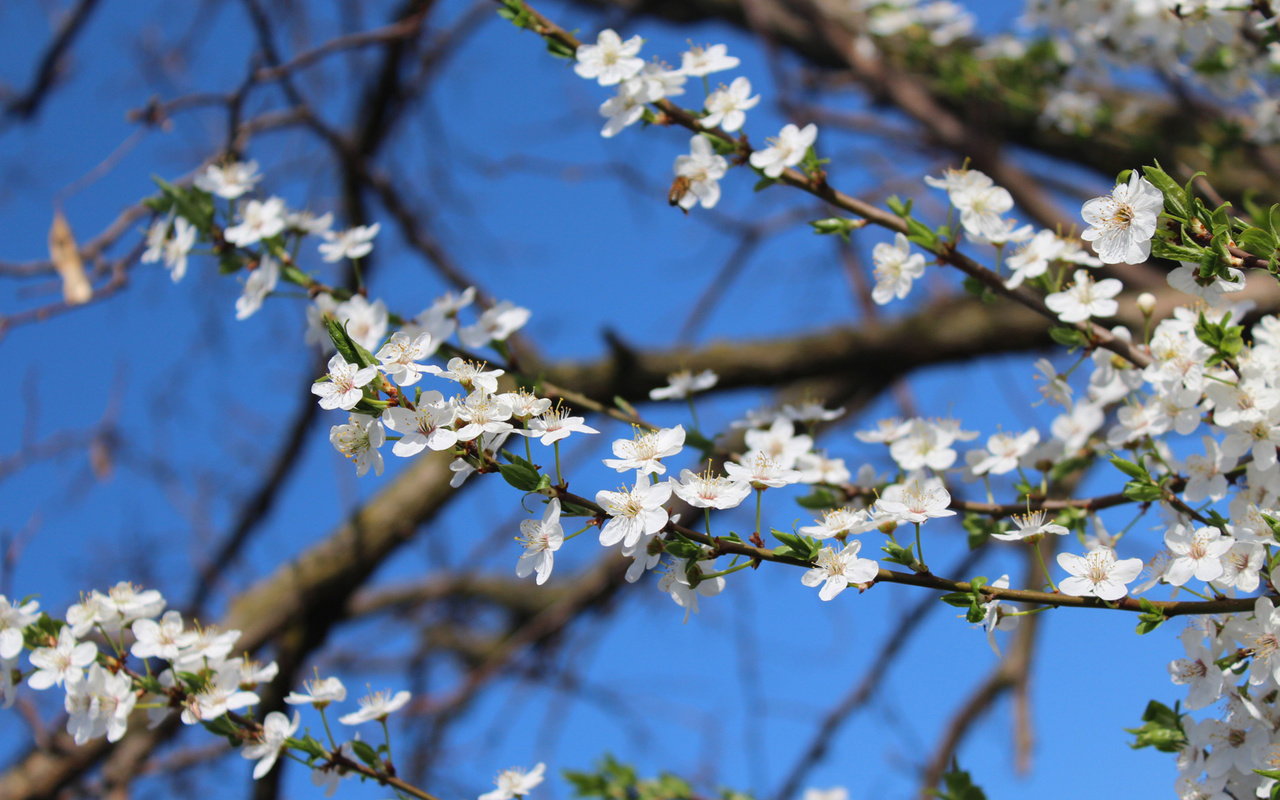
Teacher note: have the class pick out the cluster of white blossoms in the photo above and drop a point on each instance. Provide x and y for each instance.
(1223, 46)
(943, 21)
(1199, 378)
(617, 63)
(477, 420)
(155, 660)
(267, 225)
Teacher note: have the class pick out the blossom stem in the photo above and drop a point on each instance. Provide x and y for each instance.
(694, 412)
(386, 737)
(327, 731)
(1193, 591)
(1072, 368)
(359, 275)
(1026, 613)
(920, 549)
(116, 647)
(706, 513)
(559, 477)
(528, 451)
(728, 571)
(585, 528)
(759, 494)
(1043, 567)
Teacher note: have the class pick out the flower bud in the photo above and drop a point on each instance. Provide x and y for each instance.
(1146, 303)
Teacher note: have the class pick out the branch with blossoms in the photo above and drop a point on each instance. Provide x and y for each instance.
(475, 425)
(159, 663)
(1194, 371)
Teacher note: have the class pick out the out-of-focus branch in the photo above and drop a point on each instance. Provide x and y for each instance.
(860, 694)
(27, 104)
(1013, 672)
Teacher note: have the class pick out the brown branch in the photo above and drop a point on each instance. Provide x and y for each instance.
(27, 104)
(817, 186)
(721, 546)
(403, 29)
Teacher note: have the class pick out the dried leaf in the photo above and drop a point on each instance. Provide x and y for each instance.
(65, 255)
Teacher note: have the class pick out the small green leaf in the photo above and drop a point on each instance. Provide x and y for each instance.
(820, 498)
(575, 510)
(1068, 337)
(704, 445)
(365, 753)
(683, 548)
(1141, 492)
(1257, 242)
(561, 50)
(897, 206)
(898, 554)
(521, 476)
(1150, 618)
(348, 347)
(307, 745)
(1131, 469)
(1163, 730)
(1175, 197)
(957, 785)
(805, 548)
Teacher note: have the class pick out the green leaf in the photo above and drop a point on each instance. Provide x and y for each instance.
(365, 753)
(957, 785)
(307, 745)
(897, 206)
(980, 528)
(1150, 618)
(521, 475)
(957, 599)
(820, 498)
(898, 554)
(683, 548)
(1131, 469)
(919, 233)
(1068, 336)
(516, 12)
(193, 204)
(348, 347)
(229, 263)
(561, 50)
(1186, 251)
(830, 225)
(221, 726)
(294, 275)
(1257, 242)
(704, 445)
(1162, 730)
(764, 183)
(1141, 492)
(805, 548)
(1175, 197)
(575, 510)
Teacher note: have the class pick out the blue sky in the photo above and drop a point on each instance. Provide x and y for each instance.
(506, 152)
